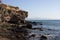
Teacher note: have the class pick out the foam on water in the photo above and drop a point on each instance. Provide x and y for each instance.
(54, 33)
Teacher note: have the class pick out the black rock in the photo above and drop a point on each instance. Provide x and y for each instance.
(43, 37)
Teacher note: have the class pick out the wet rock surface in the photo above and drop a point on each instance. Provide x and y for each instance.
(43, 37)
(35, 23)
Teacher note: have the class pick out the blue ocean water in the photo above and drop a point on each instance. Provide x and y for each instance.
(51, 24)
(54, 33)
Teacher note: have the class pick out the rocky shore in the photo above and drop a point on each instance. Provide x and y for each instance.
(13, 26)
(41, 33)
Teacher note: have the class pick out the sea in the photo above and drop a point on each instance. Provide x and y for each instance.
(51, 29)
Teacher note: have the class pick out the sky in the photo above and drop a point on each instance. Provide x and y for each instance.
(45, 9)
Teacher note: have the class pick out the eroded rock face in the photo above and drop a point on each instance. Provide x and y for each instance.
(13, 32)
(12, 23)
(7, 12)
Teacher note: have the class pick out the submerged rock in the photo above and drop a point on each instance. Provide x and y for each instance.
(43, 37)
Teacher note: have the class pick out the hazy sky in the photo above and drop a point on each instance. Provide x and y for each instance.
(38, 8)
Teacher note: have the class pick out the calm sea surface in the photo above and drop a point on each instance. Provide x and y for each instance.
(52, 24)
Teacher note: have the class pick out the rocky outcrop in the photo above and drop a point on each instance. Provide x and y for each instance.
(12, 32)
(12, 23)
(7, 12)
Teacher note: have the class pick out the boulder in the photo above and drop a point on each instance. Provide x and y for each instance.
(43, 37)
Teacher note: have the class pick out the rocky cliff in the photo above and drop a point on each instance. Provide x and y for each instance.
(12, 23)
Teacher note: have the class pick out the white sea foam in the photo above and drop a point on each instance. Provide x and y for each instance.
(51, 29)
